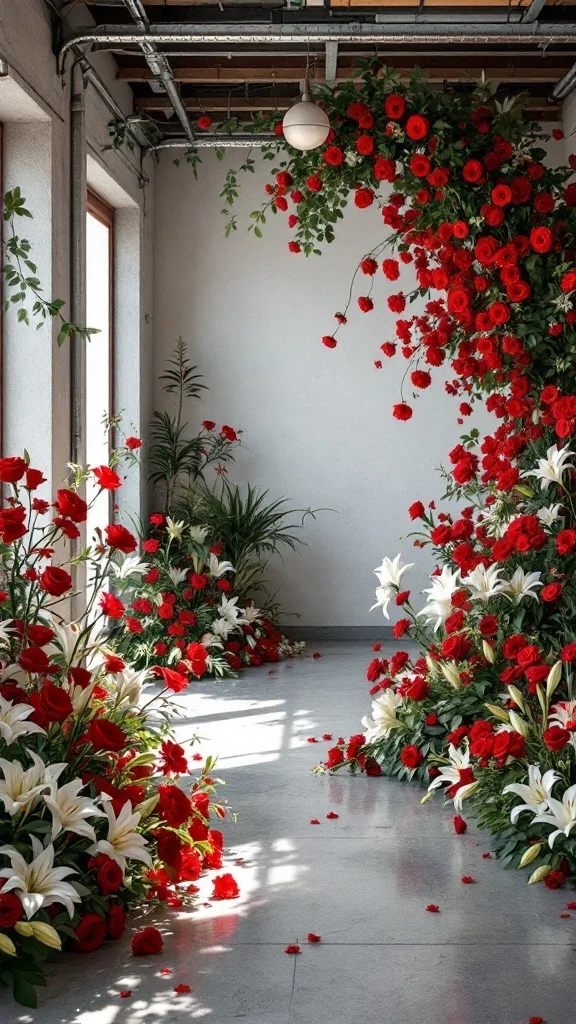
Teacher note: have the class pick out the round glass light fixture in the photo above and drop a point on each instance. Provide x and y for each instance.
(305, 125)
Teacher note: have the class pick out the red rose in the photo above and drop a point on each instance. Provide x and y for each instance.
(12, 469)
(90, 933)
(417, 127)
(11, 909)
(204, 122)
(385, 170)
(402, 411)
(416, 510)
(119, 538)
(473, 171)
(105, 735)
(566, 542)
(109, 877)
(39, 635)
(107, 478)
(456, 647)
(335, 757)
(333, 156)
(12, 523)
(225, 888)
(173, 759)
(508, 744)
(556, 737)
(365, 145)
(173, 806)
(394, 106)
(116, 921)
(111, 606)
(314, 183)
(55, 702)
(541, 239)
(146, 942)
(169, 848)
(55, 581)
(71, 505)
(551, 592)
(175, 681)
(488, 625)
(191, 865)
(363, 197)
(418, 689)
(554, 880)
(34, 659)
(411, 756)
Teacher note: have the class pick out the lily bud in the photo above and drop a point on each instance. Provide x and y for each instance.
(542, 700)
(6, 945)
(518, 724)
(530, 854)
(488, 652)
(147, 806)
(451, 674)
(540, 873)
(500, 713)
(516, 697)
(524, 490)
(24, 928)
(431, 663)
(46, 934)
(554, 676)
(428, 797)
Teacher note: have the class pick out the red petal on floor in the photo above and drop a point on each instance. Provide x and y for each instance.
(432, 908)
(326, 735)
(192, 889)
(312, 739)
(564, 915)
(536, 1020)
(316, 654)
(126, 994)
(571, 906)
(467, 879)
(313, 938)
(165, 970)
(377, 647)
(486, 856)
(292, 949)
(332, 814)
(197, 757)
(181, 989)
(314, 821)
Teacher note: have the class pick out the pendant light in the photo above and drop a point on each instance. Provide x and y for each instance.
(306, 125)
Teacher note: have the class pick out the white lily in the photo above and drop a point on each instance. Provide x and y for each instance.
(13, 722)
(21, 788)
(199, 534)
(251, 614)
(14, 674)
(384, 717)
(174, 528)
(562, 815)
(5, 630)
(211, 639)
(65, 643)
(535, 794)
(391, 572)
(177, 575)
(459, 758)
(551, 469)
(129, 685)
(439, 605)
(229, 610)
(80, 695)
(484, 583)
(222, 628)
(522, 585)
(219, 568)
(563, 713)
(131, 566)
(123, 843)
(463, 793)
(549, 515)
(69, 810)
(38, 884)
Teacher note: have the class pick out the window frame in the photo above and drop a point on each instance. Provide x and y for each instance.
(102, 211)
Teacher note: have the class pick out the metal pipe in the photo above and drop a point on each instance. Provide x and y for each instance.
(78, 192)
(386, 34)
(533, 12)
(566, 85)
(160, 67)
(240, 141)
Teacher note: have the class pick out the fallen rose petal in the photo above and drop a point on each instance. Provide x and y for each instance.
(432, 908)
(316, 654)
(197, 757)
(564, 915)
(571, 906)
(460, 825)
(332, 814)
(125, 994)
(314, 821)
(467, 879)
(312, 739)
(536, 1020)
(377, 647)
(327, 736)
(181, 989)
(313, 938)
(292, 949)
(192, 889)
(486, 856)
(165, 970)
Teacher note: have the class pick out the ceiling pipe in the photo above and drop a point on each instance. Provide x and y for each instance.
(566, 85)
(239, 141)
(297, 33)
(159, 66)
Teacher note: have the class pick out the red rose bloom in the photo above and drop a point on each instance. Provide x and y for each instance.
(225, 888)
(107, 478)
(417, 127)
(55, 702)
(365, 145)
(204, 122)
(329, 341)
(410, 756)
(551, 592)
(402, 411)
(333, 156)
(105, 735)
(109, 877)
(116, 921)
(394, 106)
(147, 942)
(71, 505)
(90, 933)
(55, 581)
(11, 909)
(111, 606)
(556, 738)
(363, 197)
(473, 171)
(119, 538)
(12, 469)
(173, 806)
(541, 239)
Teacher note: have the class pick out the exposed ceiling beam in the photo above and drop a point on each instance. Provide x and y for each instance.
(239, 75)
(226, 103)
(331, 69)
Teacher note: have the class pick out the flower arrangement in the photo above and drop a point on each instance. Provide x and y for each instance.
(93, 818)
(183, 616)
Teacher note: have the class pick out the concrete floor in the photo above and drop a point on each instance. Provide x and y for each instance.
(497, 953)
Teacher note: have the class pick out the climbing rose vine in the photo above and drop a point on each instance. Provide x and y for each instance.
(484, 232)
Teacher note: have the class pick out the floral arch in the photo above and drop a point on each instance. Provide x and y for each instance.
(487, 710)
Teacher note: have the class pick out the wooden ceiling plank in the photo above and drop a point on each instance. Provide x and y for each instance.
(240, 75)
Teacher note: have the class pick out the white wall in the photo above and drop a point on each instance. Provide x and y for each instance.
(317, 423)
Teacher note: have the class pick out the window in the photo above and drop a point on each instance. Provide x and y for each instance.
(99, 351)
